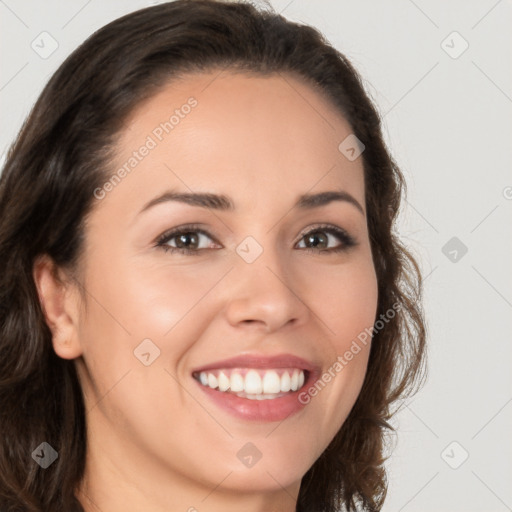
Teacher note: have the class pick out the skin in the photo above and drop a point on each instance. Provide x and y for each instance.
(155, 441)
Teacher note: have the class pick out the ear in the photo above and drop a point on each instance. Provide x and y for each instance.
(58, 298)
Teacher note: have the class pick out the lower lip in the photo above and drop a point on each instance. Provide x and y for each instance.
(274, 409)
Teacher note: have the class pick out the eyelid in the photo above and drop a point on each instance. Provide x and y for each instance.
(325, 226)
(171, 233)
(348, 241)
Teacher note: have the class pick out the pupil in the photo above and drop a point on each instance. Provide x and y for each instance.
(316, 235)
(181, 240)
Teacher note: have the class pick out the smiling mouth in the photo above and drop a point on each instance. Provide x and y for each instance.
(252, 383)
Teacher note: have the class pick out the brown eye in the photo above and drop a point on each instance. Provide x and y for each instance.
(319, 238)
(185, 240)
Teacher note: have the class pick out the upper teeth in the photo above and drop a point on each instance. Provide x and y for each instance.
(253, 382)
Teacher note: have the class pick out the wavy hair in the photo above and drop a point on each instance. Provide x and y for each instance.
(62, 154)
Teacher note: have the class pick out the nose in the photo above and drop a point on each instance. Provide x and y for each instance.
(265, 296)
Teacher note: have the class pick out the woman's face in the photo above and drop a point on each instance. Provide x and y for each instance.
(266, 290)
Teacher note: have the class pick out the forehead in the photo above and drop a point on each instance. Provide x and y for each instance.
(261, 133)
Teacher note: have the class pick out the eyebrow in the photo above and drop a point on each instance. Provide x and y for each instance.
(224, 203)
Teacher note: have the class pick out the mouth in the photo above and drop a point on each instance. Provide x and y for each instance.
(257, 388)
(254, 384)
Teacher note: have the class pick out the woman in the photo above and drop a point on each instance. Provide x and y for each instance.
(203, 303)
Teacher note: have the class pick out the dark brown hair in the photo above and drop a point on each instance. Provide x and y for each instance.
(62, 155)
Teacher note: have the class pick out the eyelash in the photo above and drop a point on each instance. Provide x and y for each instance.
(347, 240)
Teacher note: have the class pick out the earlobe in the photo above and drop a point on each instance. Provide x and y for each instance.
(60, 310)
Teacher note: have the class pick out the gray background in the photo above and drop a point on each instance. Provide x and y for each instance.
(448, 122)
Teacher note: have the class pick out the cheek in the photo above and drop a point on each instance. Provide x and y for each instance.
(129, 302)
(134, 311)
(346, 300)
(344, 297)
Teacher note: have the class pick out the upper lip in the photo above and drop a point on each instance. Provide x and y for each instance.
(261, 361)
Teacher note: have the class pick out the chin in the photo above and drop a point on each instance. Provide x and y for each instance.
(265, 479)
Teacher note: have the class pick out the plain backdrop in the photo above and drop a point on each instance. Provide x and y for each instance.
(440, 74)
